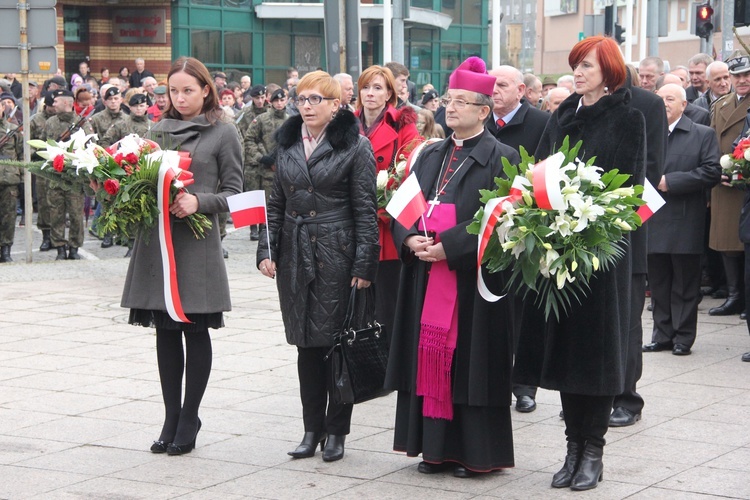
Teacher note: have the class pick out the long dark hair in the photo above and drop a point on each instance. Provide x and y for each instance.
(196, 69)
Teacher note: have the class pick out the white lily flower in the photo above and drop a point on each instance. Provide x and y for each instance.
(624, 191)
(747, 154)
(590, 174)
(382, 179)
(586, 211)
(86, 158)
(80, 138)
(562, 225)
(546, 262)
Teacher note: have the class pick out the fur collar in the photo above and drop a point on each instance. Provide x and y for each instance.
(569, 112)
(341, 133)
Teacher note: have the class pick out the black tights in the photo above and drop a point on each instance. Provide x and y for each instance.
(181, 419)
(586, 417)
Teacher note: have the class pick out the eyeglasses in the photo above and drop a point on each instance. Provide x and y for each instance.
(458, 103)
(314, 100)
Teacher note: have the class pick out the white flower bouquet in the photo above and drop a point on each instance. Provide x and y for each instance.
(554, 224)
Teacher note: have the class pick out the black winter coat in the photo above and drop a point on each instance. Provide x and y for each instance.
(584, 352)
(322, 218)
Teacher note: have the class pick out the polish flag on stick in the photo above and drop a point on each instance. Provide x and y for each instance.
(408, 203)
(653, 200)
(248, 208)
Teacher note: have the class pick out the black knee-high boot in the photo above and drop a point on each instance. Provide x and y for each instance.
(735, 303)
(171, 361)
(197, 372)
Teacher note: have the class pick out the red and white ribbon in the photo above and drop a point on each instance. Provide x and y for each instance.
(547, 194)
(170, 172)
(546, 181)
(492, 212)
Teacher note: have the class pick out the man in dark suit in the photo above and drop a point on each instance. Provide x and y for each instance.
(514, 121)
(628, 405)
(676, 231)
(696, 114)
(697, 68)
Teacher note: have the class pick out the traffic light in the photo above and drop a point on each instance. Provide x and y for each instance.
(619, 32)
(742, 13)
(703, 17)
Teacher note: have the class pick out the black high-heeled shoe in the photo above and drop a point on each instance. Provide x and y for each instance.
(159, 447)
(306, 448)
(181, 449)
(334, 448)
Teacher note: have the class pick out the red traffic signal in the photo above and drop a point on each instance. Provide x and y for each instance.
(705, 12)
(703, 17)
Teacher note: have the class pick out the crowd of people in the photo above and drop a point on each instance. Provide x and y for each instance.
(315, 145)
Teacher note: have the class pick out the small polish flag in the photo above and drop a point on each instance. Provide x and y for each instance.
(408, 203)
(248, 208)
(653, 200)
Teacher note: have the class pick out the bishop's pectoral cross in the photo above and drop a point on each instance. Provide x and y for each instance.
(433, 204)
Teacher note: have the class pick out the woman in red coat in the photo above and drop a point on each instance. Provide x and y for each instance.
(392, 132)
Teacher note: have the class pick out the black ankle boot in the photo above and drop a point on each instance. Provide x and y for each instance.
(5, 254)
(306, 448)
(73, 254)
(334, 448)
(61, 254)
(46, 242)
(733, 305)
(590, 469)
(565, 475)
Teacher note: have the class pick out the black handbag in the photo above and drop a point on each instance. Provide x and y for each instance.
(359, 355)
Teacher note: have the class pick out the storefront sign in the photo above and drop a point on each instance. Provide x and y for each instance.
(139, 26)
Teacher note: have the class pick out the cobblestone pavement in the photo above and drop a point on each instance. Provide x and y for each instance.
(80, 404)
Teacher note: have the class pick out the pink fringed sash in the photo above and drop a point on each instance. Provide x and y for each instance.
(438, 327)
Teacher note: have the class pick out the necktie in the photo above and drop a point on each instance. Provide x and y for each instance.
(500, 123)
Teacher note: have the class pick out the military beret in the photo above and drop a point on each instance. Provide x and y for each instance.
(278, 94)
(257, 90)
(61, 93)
(111, 91)
(137, 99)
(429, 95)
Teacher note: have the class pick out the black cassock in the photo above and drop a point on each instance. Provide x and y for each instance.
(480, 434)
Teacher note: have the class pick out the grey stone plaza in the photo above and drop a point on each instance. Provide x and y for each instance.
(80, 404)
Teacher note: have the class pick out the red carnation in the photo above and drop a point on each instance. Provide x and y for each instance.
(111, 186)
(58, 163)
(118, 158)
(131, 158)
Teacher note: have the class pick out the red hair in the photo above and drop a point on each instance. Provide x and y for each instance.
(608, 56)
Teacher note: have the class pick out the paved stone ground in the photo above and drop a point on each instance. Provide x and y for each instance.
(80, 404)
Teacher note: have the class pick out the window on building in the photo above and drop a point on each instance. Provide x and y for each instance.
(238, 48)
(76, 25)
(206, 46)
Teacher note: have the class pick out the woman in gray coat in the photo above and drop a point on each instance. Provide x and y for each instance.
(322, 220)
(192, 123)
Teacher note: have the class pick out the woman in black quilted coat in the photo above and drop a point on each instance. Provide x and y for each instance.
(322, 221)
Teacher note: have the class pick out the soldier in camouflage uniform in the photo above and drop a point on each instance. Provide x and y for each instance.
(251, 111)
(36, 131)
(64, 201)
(104, 119)
(136, 122)
(10, 177)
(260, 148)
(101, 122)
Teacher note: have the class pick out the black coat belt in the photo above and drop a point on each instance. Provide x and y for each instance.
(303, 259)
